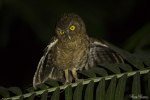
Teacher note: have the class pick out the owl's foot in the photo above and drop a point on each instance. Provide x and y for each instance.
(79, 80)
(67, 82)
(74, 73)
(68, 77)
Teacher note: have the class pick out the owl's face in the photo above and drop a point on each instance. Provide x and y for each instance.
(69, 26)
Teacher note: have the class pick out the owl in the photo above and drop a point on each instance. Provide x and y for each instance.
(70, 50)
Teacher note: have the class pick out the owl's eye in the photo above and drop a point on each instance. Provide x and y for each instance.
(72, 27)
(61, 32)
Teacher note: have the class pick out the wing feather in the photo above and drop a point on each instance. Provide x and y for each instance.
(100, 53)
(45, 67)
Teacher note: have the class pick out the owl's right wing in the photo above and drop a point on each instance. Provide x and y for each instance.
(100, 53)
(45, 68)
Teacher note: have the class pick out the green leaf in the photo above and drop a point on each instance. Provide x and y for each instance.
(32, 96)
(79, 87)
(4, 92)
(100, 91)
(149, 83)
(100, 71)
(88, 73)
(30, 89)
(111, 89)
(89, 91)
(21, 98)
(51, 82)
(119, 95)
(144, 57)
(78, 92)
(42, 86)
(147, 62)
(44, 95)
(56, 94)
(111, 67)
(136, 86)
(68, 93)
(136, 61)
(15, 90)
(124, 67)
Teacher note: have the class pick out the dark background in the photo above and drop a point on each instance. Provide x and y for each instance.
(26, 27)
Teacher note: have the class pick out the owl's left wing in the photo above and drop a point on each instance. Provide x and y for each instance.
(100, 53)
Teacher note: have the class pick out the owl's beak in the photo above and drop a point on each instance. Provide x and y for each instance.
(67, 33)
(69, 36)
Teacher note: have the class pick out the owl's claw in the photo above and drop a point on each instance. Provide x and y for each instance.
(67, 82)
(79, 81)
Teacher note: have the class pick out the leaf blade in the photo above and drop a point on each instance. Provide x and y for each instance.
(89, 91)
(30, 89)
(44, 95)
(15, 90)
(100, 71)
(51, 82)
(119, 95)
(125, 67)
(42, 86)
(88, 73)
(32, 96)
(78, 92)
(100, 91)
(149, 83)
(56, 94)
(136, 86)
(4, 92)
(111, 67)
(111, 89)
(68, 93)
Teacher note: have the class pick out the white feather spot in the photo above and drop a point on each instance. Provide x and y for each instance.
(99, 43)
(52, 44)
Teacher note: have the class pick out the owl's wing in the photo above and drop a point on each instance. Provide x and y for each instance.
(45, 68)
(100, 53)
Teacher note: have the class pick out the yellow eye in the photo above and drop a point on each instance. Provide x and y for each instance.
(61, 32)
(72, 27)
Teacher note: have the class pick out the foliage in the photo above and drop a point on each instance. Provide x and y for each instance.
(108, 82)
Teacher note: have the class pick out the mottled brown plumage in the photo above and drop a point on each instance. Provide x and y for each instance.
(71, 50)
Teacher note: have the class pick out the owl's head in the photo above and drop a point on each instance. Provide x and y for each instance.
(69, 25)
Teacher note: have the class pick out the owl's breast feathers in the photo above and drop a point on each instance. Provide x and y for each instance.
(59, 56)
(71, 53)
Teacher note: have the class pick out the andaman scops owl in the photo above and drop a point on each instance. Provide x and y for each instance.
(71, 49)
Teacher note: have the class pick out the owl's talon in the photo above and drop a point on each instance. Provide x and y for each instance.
(67, 82)
(79, 81)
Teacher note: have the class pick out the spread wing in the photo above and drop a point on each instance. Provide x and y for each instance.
(45, 67)
(101, 53)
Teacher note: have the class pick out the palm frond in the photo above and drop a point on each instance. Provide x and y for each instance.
(105, 82)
